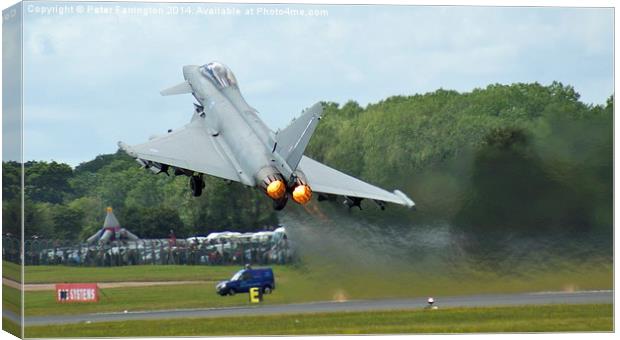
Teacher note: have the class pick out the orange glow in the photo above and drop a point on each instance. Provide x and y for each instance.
(276, 190)
(302, 194)
(109, 209)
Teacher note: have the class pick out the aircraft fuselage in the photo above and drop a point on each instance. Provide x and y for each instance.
(226, 138)
(244, 138)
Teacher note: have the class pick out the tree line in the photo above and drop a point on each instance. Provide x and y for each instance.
(523, 155)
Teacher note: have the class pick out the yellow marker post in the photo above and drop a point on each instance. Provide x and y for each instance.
(255, 295)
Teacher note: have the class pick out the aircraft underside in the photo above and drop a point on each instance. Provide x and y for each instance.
(225, 138)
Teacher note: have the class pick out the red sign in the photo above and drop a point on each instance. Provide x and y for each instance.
(77, 292)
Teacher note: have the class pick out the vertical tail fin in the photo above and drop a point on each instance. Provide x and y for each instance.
(293, 140)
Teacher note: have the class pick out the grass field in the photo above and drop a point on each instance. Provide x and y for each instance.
(294, 284)
(58, 274)
(11, 327)
(11, 299)
(551, 318)
(11, 270)
(570, 277)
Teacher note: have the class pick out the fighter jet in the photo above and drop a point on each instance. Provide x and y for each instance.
(226, 138)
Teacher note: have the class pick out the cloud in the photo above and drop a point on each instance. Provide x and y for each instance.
(85, 69)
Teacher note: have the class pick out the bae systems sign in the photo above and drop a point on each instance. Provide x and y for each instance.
(77, 292)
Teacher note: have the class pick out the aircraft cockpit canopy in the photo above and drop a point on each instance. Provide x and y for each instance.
(219, 74)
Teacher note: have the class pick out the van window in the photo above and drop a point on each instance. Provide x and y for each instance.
(237, 276)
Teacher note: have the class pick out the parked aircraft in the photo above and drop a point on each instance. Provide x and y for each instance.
(111, 231)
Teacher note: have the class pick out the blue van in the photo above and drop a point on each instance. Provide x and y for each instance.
(245, 279)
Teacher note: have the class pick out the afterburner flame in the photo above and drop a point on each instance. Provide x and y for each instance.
(302, 194)
(276, 190)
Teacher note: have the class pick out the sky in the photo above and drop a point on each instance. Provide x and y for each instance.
(93, 78)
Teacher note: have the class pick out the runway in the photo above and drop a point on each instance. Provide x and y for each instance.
(540, 298)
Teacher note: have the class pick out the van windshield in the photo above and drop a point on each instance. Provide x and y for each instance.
(237, 276)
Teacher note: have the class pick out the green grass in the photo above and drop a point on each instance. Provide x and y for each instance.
(293, 285)
(551, 318)
(11, 270)
(11, 299)
(56, 274)
(135, 299)
(582, 277)
(11, 327)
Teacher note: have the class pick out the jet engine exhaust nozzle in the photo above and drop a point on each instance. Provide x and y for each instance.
(300, 190)
(276, 189)
(302, 194)
(272, 182)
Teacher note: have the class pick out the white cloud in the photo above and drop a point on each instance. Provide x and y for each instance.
(85, 69)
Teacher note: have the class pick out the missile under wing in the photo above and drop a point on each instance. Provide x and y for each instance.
(189, 148)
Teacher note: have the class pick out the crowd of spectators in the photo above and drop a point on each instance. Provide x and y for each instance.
(268, 247)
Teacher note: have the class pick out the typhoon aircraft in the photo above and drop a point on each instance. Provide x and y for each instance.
(226, 138)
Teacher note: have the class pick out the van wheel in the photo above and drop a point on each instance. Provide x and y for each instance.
(266, 290)
(231, 292)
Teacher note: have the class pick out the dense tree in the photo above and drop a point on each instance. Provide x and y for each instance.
(153, 222)
(93, 212)
(47, 182)
(101, 161)
(11, 180)
(475, 159)
(12, 217)
(520, 156)
(68, 222)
